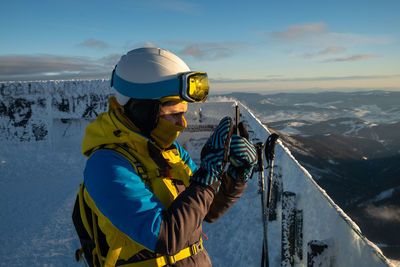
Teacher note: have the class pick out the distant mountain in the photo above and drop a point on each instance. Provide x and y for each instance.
(372, 107)
(350, 143)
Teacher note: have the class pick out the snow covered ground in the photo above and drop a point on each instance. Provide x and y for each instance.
(38, 186)
(39, 181)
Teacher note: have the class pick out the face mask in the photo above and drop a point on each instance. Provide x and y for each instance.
(166, 132)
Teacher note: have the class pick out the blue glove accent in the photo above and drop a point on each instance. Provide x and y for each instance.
(214, 154)
(243, 156)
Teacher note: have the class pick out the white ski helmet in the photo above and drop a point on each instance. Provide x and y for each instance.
(154, 73)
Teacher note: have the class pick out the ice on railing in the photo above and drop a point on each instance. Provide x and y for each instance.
(28, 109)
(32, 111)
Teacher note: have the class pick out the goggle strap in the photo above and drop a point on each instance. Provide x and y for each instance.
(146, 90)
(112, 76)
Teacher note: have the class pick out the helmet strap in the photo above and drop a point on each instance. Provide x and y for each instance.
(143, 113)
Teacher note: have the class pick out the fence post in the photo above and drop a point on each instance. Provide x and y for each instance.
(288, 228)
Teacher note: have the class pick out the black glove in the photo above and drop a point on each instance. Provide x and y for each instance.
(214, 154)
(243, 155)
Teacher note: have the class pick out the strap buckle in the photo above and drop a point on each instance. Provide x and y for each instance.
(78, 254)
(196, 247)
(170, 259)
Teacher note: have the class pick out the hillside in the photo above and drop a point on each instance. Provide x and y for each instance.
(349, 142)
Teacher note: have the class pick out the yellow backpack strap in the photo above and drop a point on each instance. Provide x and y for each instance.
(183, 254)
(114, 251)
(83, 213)
(136, 164)
(163, 260)
(96, 251)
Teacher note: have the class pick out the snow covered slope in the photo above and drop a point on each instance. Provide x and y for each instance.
(315, 230)
(41, 167)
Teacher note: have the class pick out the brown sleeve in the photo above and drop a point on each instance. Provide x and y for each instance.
(181, 224)
(230, 191)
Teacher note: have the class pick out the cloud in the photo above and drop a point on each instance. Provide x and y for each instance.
(110, 60)
(389, 213)
(209, 51)
(316, 41)
(352, 58)
(149, 44)
(129, 45)
(324, 52)
(300, 32)
(317, 34)
(92, 43)
(45, 67)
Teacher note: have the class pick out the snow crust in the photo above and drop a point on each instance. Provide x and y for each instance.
(39, 179)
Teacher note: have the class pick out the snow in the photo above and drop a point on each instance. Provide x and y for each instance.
(374, 114)
(291, 131)
(355, 127)
(371, 114)
(296, 124)
(331, 161)
(266, 101)
(290, 128)
(40, 175)
(38, 186)
(296, 115)
(381, 196)
(361, 112)
(384, 194)
(328, 105)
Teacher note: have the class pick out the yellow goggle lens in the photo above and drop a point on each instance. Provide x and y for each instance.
(198, 86)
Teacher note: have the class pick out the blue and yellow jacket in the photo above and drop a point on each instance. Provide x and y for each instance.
(142, 195)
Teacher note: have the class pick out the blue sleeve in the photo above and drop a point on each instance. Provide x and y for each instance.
(186, 157)
(123, 198)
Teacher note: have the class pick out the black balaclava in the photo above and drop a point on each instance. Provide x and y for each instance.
(143, 113)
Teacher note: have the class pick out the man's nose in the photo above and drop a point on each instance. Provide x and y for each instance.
(180, 121)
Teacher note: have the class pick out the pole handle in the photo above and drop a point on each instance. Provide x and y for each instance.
(270, 147)
(260, 162)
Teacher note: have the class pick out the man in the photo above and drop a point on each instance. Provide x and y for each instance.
(143, 199)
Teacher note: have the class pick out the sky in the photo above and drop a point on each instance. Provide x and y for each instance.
(248, 46)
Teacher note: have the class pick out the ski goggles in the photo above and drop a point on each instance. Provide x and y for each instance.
(190, 86)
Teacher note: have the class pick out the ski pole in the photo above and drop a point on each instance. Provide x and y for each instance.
(270, 158)
(260, 168)
(237, 118)
(232, 160)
